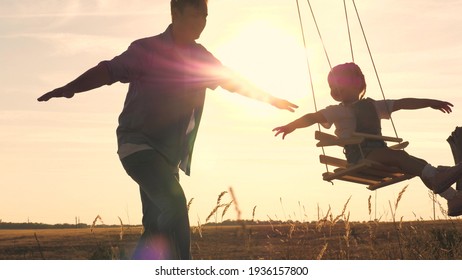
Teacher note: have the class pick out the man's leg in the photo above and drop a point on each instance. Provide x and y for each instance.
(165, 215)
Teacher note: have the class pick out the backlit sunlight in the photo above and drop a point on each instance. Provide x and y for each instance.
(268, 56)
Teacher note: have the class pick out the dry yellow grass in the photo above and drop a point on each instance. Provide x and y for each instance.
(330, 237)
(344, 240)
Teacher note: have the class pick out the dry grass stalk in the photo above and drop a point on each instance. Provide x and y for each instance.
(121, 234)
(398, 234)
(343, 212)
(270, 222)
(226, 209)
(371, 239)
(253, 213)
(433, 197)
(369, 205)
(236, 205)
(213, 212)
(39, 246)
(217, 206)
(392, 212)
(291, 230)
(347, 234)
(220, 196)
(94, 222)
(318, 211)
(400, 195)
(199, 226)
(321, 222)
(189, 203)
(400, 225)
(321, 253)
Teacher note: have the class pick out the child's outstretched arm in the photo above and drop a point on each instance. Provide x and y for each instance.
(305, 121)
(418, 103)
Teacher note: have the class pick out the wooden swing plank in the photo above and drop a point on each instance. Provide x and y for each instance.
(349, 178)
(375, 167)
(366, 172)
(399, 146)
(340, 172)
(379, 167)
(326, 139)
(322, 136)
(340, 142)
(390, 182)
(372, 184)
(372, 172)
(378, 137)
(337, 162)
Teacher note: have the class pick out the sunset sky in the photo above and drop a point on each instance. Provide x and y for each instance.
(58, 159)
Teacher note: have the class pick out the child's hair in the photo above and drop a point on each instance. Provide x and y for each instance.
(180, 4)
(347, 77)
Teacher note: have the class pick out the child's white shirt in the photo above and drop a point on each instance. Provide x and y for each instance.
(343, 118)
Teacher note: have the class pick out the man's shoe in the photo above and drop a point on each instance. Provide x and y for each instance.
(445, 178)
(455, 205)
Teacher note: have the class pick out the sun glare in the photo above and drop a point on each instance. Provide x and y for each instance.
(269, 56)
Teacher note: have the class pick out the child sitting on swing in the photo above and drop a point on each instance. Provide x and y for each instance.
(358, 114)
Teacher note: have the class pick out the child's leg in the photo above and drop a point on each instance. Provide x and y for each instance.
(438, 181)
(398, 158)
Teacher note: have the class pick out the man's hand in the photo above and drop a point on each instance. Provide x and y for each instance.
(283, 104)
(59, 92)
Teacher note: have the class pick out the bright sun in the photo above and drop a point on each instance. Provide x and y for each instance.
(268, 56)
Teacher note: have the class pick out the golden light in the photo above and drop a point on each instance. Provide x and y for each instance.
(269, 55)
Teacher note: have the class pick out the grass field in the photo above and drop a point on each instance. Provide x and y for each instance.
(418, 240)
(332, 237)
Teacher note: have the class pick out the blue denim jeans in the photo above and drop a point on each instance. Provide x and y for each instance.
(165, 215)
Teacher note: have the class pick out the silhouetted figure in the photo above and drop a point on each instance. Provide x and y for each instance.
(168, 75)
(358, 114)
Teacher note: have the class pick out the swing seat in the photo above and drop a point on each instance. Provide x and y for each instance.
(373, 174)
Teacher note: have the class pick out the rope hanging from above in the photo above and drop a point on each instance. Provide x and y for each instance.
(327, 55)
(367, 172)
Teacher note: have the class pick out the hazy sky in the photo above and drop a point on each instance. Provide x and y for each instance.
(58, 159)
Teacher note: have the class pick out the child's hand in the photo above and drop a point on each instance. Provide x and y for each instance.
(443, 106)
(286, 129)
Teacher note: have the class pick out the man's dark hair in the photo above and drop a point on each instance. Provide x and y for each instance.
(180, 4)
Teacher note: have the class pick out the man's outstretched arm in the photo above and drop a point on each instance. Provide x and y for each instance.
(93, 78)
(234, 83)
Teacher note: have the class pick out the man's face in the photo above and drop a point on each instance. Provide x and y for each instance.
(189, 24)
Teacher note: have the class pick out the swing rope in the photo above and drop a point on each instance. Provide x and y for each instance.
(351, 49)
(375, 68)
(309, 70)
(319, 34)
(348, 29)
(347, 18)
